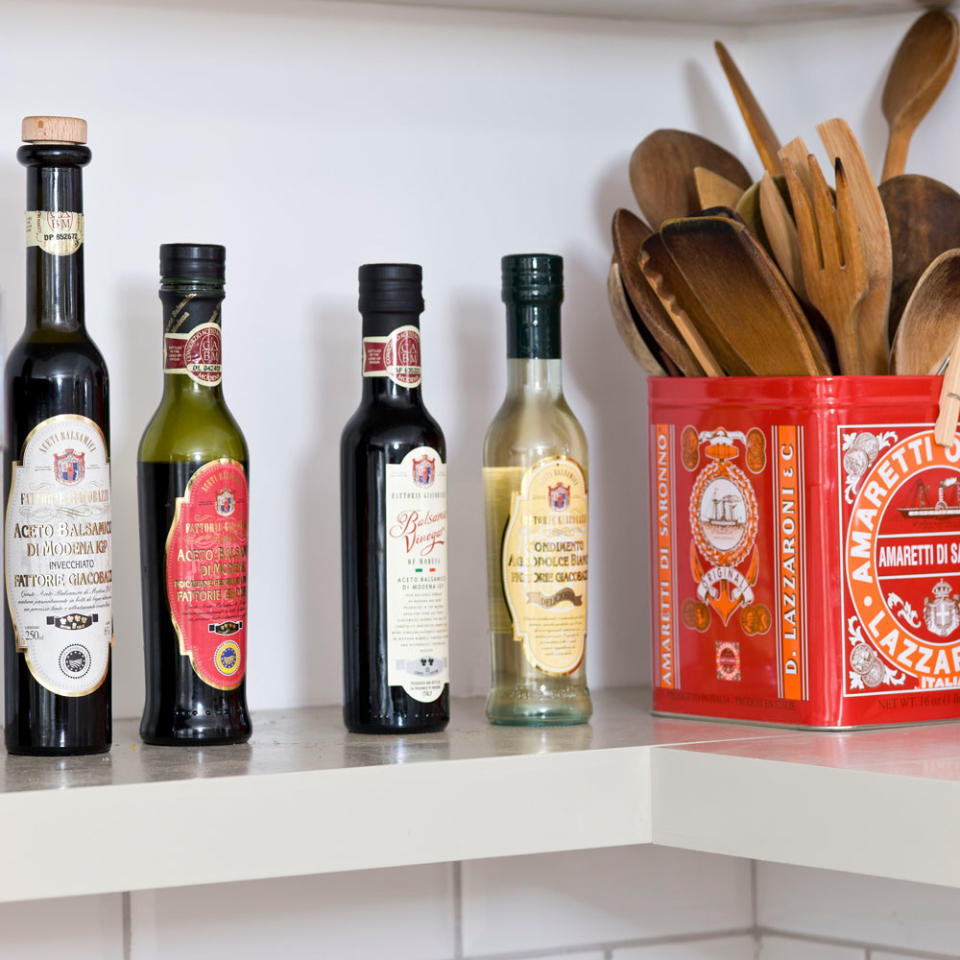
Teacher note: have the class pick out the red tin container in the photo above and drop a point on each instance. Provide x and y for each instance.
(805, 539)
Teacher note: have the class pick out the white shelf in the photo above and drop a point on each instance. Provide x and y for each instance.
(306, 797)
(729, 12)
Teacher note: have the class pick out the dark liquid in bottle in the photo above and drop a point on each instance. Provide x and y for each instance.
(180, 708)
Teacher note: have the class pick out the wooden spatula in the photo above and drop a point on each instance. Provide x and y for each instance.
(781, 234)
(751, 308)
(920, 70)
(629, 233)
(661, 172)
(839, 141)
(623, 318)
(764, 139)
(924, 219)
(931, 321)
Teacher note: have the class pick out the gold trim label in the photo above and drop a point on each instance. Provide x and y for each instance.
(544, 565)
(57, 232)
(57, 551)
(418, 657)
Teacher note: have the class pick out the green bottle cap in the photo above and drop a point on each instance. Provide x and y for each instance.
(532, 278)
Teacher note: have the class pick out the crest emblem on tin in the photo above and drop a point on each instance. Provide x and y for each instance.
(226, 502)
(942, 613)
(424, 470)
(723, 521)
(68, 467)
(559, 496)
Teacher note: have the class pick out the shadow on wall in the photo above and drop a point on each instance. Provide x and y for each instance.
(480, 381)
(336, 346)
(136, 383)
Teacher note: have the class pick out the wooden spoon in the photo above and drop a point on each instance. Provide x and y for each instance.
(629, 233)
(753, 313)
(661, 173)
(868, 211)
(946, 427)
(924, 219)
(920, 70)
(764, 139)
(931, 321)
(714, 190)
(626, 327)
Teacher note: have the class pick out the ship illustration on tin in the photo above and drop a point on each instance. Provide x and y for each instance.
(922, 510)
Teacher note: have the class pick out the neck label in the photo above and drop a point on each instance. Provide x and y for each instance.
(57, 232)
(196, 354)
(396, 356)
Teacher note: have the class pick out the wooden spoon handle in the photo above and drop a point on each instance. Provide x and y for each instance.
(946, 427)
(895, 161)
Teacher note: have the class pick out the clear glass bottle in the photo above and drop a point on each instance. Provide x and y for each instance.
(535, 494)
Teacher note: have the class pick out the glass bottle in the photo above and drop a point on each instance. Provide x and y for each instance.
(535, 494)
(58, 622)
(192, 475)
(393, 524)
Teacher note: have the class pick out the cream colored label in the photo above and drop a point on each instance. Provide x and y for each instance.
(544, 565)
(57, 232)
(57, 551)
(418, 657)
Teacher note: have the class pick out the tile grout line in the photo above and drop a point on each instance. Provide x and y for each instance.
(127, 925)
(457, 910)
(908, 953)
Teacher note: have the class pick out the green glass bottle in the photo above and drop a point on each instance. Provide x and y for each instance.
(192, 482)
(535, 493)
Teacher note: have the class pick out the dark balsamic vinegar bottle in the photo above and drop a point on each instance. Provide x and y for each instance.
(192, 482)
(393, 524)
(58, 626)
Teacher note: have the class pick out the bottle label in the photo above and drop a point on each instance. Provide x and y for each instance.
(196, 354)
(396, 356)
(544, 565)
(58, 555)
(57, 232)
(416, 536)
(206, 570)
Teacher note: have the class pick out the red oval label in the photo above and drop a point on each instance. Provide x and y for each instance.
(207, 573)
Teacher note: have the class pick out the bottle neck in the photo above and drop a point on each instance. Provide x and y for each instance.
(391, 359)
(54, 235)
(533, 349)
(192, 342)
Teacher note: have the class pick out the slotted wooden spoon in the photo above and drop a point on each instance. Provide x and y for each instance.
(629, 234)
(661, 173)
(924, 219)
(931, 322)
(920, 70)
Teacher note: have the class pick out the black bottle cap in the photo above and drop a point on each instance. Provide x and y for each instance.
(532, 278)
(391, 288)
(192, 261)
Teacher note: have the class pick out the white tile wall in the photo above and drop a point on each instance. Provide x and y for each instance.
(406, 913)
(586, 897)
(716, 948)
(783, 948)
(869, 910)
(81, 928)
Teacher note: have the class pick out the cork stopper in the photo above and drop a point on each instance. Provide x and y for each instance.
(54, 130)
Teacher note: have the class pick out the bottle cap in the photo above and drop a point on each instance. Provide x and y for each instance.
(192, 261)
(532, 278)
(54, 130)
(391, 288)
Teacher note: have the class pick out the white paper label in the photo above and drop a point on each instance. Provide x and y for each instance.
(58, 555)
(418, 657)
(58, 232)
